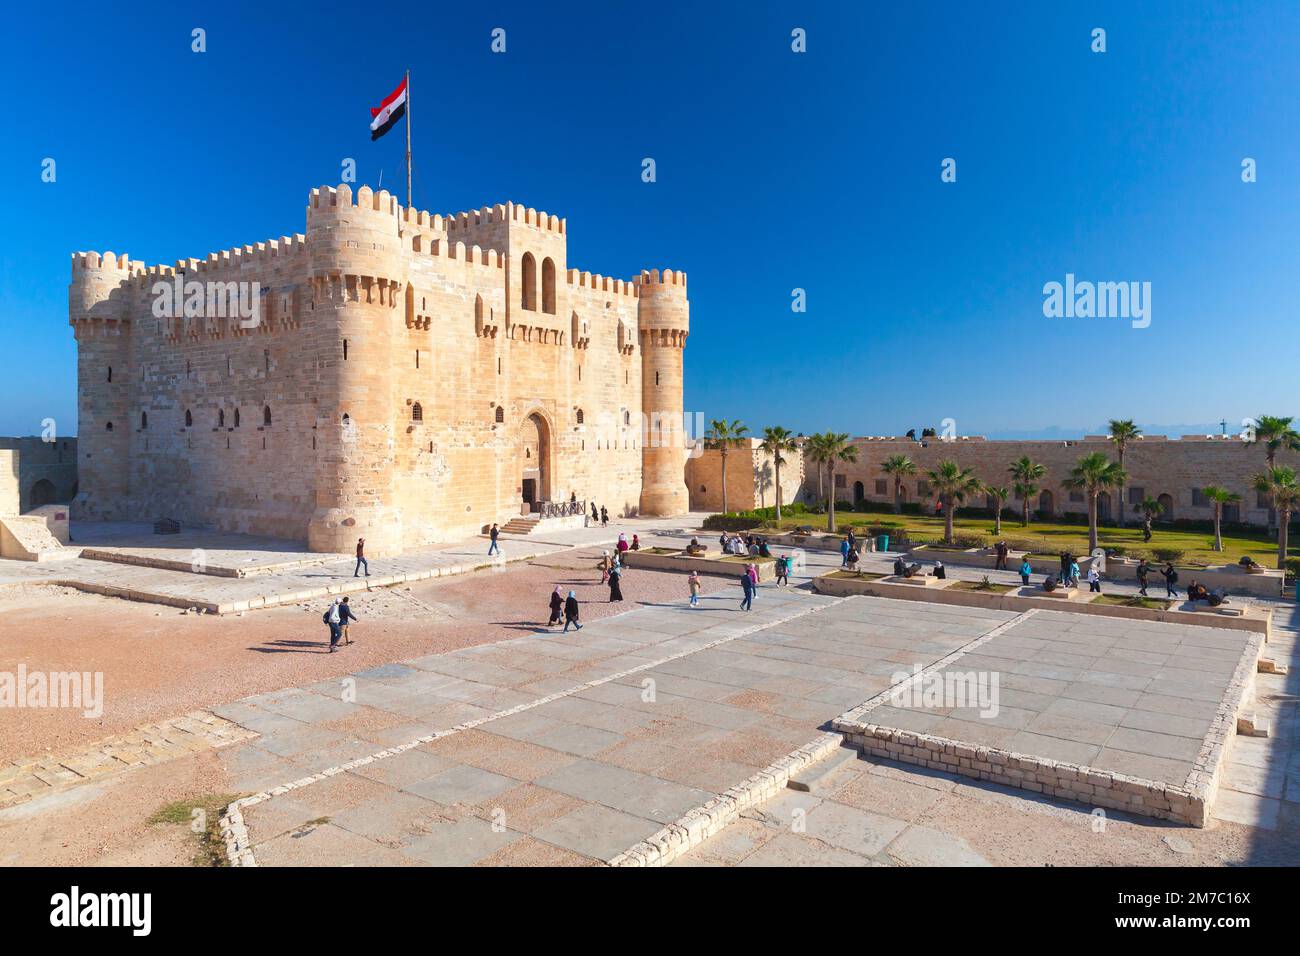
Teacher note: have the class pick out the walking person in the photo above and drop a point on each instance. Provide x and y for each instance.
(571, 612)
(693, 583)
(747, 585)
(605, 564)
(604, 516)
(1171, 578)
(1094, 581)
(1074, 572)
(1143, 570)
(783, 571)
(557, 607)
(1026, 569)
(345, 616)
(331, 617)
(494, 548)
(845, 548)
(615, 580)
(1002, 552)
(361, 558)
(622, 543)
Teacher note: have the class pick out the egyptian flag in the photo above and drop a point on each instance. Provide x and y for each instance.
(390, 111)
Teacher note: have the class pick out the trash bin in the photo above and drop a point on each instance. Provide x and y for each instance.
(882, 542)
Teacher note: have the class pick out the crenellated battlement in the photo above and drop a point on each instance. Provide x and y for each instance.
(105, 262)
(668, 278)
(600, 283)
(334, 200)
(506, 213)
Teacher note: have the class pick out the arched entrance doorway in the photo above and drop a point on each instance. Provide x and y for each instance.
(859, 492)
(535, 459)
(1103, 506)
(1166, 508)
(1047, 503)
(42, 494)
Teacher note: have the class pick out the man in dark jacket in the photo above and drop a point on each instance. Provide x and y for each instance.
(1143, 570)
(361, 558)
(345, 616)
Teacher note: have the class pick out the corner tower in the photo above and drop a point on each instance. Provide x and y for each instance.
(357, 278)
(664, 322)
(99, 313)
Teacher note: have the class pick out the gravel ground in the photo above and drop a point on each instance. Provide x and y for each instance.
(160, 662)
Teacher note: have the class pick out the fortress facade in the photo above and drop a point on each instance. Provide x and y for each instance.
(408, 378)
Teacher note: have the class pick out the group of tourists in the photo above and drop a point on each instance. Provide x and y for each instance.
(755, 546)
(338, 616)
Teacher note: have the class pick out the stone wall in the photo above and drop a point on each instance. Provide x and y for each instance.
(1170, 469)
(751, 478)
(407, 376)
(35, 472)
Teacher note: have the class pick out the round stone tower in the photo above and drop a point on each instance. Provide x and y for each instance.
(357, 277)
(663, 322)
(99, 312)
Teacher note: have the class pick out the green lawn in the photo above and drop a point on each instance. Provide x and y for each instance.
(1051, 538)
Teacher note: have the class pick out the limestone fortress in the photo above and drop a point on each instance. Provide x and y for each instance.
(408, 378)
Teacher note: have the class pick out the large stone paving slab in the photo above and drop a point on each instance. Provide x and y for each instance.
(1152, 702)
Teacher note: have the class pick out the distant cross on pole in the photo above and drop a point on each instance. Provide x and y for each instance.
(1223, 426)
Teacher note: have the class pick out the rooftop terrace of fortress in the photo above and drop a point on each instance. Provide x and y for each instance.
(429, 233)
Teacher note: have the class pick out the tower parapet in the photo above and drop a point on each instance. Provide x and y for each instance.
(663, 321)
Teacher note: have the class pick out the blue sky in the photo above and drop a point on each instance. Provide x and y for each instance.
(776, 171)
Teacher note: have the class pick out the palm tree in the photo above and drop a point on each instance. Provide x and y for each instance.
(722, 435)
(898, 466)
(1276, 433)
(834, 447)
(1122, 431)
(1149, 508)
(775, 441)
(1220, 496)
(1093, 474)
(953, 484)
(1026, 474)
(815, 451)
(999, 494)
(1279, 483)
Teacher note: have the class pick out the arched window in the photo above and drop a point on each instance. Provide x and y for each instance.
(548, 286)
(189, 419)
(417, 413)
(221, 418)
(528, 277)
(580, 416)
(236, 418)
(501, 413)
(108, 427)
(266, 415)
(144, 419)
(110, 373)
(627, 417)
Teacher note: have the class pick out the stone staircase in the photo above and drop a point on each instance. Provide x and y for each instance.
(523, 524)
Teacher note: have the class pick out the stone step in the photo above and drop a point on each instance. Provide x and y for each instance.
(1269, 666)
(818, 778)
(1251, 725)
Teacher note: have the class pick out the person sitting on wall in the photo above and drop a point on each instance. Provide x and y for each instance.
(940, 571)
(900, 569)
(1218, 596)
(853, 561)
(912, 570)
(763, 550)
(725, 543)
(1049, 583)
(1198, 592)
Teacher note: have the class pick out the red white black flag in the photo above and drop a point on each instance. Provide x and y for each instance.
(390, 111)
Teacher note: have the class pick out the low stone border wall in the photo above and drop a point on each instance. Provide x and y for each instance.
(112, 556)
(698, 825)
(1256, 620)
(985, 558)
(1188, 801)
(710, 563)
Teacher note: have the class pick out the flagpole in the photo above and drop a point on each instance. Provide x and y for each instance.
(408, 139)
